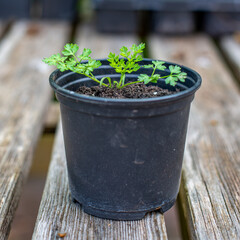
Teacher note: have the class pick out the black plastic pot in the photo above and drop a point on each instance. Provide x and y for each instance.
(124, 156)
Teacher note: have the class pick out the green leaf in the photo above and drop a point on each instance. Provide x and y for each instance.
(85, 54)
(136, 67)
(144, 78)
(174, 69)
(148, 66)
(134, 48)
(54, 59)
(124, 49)
(71, 63)
(159, 65)
(182, 76)
(172, 80)
(62, 67)
(139, 58)
(124, 52)
(70, 49)
(94, 63)
(141, 46)
(111, 57)
(155, 78)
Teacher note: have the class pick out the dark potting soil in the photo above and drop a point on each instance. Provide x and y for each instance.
(138, 90)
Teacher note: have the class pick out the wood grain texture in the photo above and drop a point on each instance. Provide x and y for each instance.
(210, 189)
(10, 40)
(58, 214)
(231, 48)
(24, 98)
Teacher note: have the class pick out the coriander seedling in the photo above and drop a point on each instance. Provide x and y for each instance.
(124, 63)
(70, 61)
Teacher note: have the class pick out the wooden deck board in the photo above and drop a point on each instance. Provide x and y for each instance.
(24, 98)
(231, 48)
(57, 213)
(211, 169)
(52, 116)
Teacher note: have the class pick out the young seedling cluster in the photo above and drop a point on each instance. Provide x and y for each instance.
(123, 63)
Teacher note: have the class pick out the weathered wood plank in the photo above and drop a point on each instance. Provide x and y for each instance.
(52, 116)
(24, 97)
(57, 213)
(211, 171)
(10, 41)
(231, 48)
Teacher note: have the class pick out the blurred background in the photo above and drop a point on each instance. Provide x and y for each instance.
(141, 17)
(216, 17)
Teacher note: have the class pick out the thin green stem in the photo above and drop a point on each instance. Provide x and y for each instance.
(166, 76)
(91, 74)
(154, 70)
(76, 58)
(94, 79)
(122, 80)
(109, 80)
(131, 83)
(173, 75)
(142, 80)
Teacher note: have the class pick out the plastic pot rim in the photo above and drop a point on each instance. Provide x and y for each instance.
(81, 97)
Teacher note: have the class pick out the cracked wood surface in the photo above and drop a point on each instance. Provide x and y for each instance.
(210, 188)
(57, 213)
(24, 98)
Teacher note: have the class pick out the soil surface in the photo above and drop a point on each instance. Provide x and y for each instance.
(138, 90)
